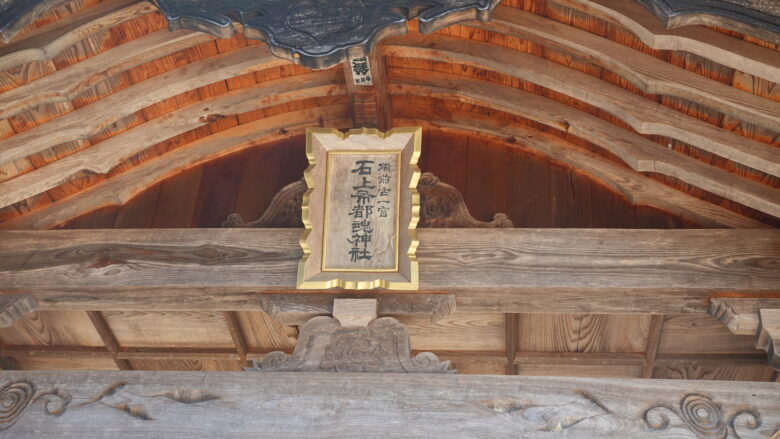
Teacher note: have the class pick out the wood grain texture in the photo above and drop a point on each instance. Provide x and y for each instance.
(768, 335)
(456, 259)
(701, 334)
(170, 329)
(67, 83)
(43, 328)
(707, 43)
(45, 43)
(639, 153)
(650, 74)
(129, 184)
(90, 120)
(14, 306)
(197, 404)
(636, 188)
(740, 315)
(642, 115)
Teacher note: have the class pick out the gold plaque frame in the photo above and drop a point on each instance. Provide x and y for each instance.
(323, 146)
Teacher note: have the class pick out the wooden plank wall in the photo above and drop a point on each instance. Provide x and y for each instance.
(492, 176)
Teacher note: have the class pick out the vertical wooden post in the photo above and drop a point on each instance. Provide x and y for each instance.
(366, 80)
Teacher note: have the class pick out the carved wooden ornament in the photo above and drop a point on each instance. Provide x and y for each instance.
(326, 346)
(361, 209)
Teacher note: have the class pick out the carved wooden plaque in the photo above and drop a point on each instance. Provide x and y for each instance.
(360, 209)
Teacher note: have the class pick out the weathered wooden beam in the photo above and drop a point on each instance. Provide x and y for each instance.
(707, 43)
(14, 306)
(45, 43)
(368, 97)
(239, 340)
(512, 333)
(740, 315)
(107, 336)
(643, 115)
(768, 335)
(295, 309)
(653, 341)
(89, 120)
(241, 404)
(125, 186)
(488, 270)
(639, 153)
(105, 155)
(648, 73)
(635, 187)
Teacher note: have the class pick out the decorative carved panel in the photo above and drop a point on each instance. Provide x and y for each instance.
(760, 18)
(318, 33)
(325, 346)
(441, 205)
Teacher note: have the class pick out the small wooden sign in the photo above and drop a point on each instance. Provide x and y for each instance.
(361, 209)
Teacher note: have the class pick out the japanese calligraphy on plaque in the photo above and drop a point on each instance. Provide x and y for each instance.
(360, 209)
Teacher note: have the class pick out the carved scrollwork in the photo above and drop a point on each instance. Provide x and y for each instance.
(702, 416)
(17, 397)
(318, 33)
(441, 205)
(325, 346)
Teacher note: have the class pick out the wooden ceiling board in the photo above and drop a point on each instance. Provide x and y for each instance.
(169, 329)
(582, 333)
(701, 334)
(46, 328)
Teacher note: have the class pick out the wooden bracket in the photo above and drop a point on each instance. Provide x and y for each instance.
(768, 335)
(441, 206)
(295, 309)
(355, 341)
(13, 306)
(740, 315)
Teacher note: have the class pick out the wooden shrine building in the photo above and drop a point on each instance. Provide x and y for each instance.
(592, 202)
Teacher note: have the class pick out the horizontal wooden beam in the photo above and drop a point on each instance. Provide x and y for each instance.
(740, 315)
(238, 404)
(488, 270)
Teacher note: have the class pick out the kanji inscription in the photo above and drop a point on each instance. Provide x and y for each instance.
(359, 210)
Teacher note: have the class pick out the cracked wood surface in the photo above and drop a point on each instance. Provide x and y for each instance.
(503, 270)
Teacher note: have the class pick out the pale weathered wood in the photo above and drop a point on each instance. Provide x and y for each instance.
(768, 335)
(740, 315)
(67, 83)
(14, 306)
(102, 157)
(91, 119)
(637, 188)
(107, 335)
(298, 308)
(711, 44)
(232, 322)
(124, 187)
(355, 312)
(45, 43)
(197, 404)
(490, 270)
(645, 116)
(653, 341)
(650, 74)
(381, 346)
(639, 153)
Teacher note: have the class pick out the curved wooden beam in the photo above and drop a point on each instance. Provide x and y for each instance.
(636, 188)
(643, 115)
(122, 188)
(91, 119)
(648, 73)
(104, 156)
(45, 44)
(640, 154)
(760, 19)
(15, 15)
(732, 52)
(65, 84)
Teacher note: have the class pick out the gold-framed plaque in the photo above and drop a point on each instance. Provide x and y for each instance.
(361, 209)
